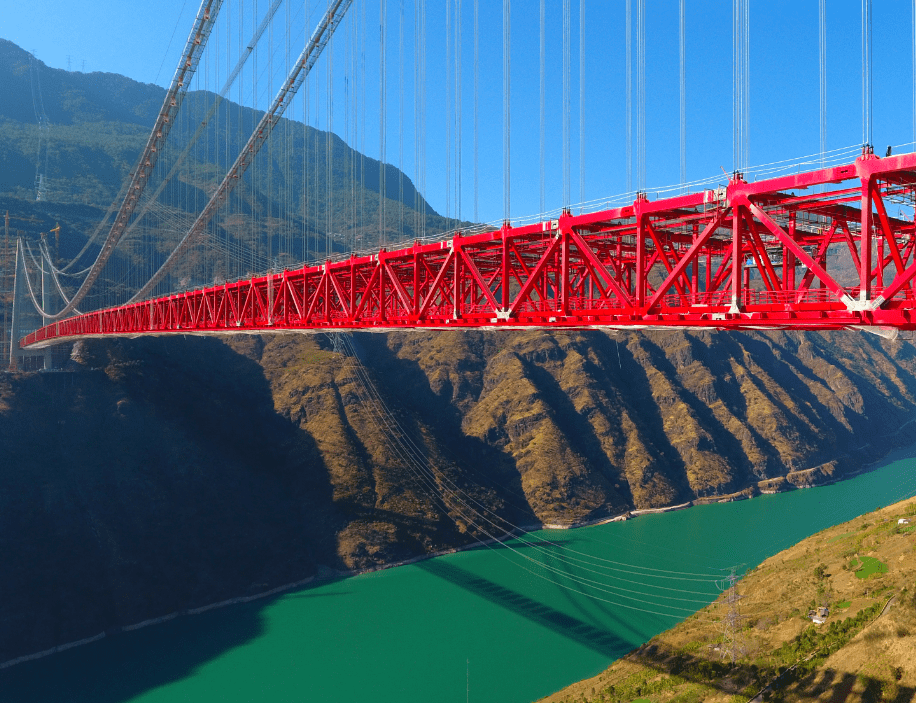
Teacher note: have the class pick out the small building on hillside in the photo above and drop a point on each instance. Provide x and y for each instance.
(903, 521)
(819, 616)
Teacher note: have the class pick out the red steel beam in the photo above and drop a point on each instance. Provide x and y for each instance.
(634, 266)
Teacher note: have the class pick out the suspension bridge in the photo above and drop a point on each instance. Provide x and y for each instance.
(808, 245)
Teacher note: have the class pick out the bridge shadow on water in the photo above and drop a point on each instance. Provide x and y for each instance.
(602, 641)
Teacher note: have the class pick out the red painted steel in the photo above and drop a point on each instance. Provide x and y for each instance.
(814, 250)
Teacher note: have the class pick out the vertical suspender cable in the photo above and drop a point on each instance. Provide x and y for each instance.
(357, 106)
(458, 110)
(543, 107)
(476, 103)
(283, 246)
(822, 75)
(381, 134)
(629, 61)
(448, 110)
(401, 119)
(737, 122)
(329, 151)
(362, 151)
(682, 46)
(866, 73)
(305, 150)
(641, 94)
(746, 85)
(416, 116)
(317, 179)
(507, 105)
(354, 44)
(293, 205)
(341, 218)
(240, 126)
(565, 108)
(423, 108)
(268, 229)
(581, 101)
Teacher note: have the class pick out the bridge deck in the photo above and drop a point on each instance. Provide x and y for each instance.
(815, 250)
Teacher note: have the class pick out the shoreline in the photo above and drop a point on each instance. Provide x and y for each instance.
(326, 574)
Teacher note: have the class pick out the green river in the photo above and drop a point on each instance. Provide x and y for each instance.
(481, 625)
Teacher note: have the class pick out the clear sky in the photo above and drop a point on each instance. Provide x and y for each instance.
(143, 41)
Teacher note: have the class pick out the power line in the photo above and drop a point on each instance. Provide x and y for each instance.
(441, 489)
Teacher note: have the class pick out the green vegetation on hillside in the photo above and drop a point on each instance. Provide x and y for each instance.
(866, 567)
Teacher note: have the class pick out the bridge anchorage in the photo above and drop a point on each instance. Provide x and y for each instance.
(783, 253)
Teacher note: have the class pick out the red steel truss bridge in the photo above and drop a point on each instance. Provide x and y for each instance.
(811, 251)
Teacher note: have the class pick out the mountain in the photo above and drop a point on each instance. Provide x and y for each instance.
(156, 475)
(151, 476)
(98, 126)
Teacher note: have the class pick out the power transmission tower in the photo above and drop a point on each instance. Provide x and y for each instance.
(732, 641)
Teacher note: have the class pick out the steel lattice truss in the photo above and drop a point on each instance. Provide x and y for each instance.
(764, 255)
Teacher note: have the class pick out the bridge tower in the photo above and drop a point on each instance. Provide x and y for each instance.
(24, 318)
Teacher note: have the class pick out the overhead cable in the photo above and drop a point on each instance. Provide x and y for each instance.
(287, 91)
(187, 66)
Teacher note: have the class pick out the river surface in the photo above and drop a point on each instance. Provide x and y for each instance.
(487, 625)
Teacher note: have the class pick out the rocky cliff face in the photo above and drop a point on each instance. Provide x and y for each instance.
(163, 474)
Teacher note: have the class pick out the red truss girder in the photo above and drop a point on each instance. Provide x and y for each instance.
(769, 254)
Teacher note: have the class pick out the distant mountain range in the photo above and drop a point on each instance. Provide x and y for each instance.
(99, 123)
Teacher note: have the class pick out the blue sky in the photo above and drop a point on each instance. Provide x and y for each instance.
(144, 41)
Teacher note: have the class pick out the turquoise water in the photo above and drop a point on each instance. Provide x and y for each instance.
(413, 633)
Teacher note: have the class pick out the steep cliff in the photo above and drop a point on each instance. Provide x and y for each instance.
(163, 474)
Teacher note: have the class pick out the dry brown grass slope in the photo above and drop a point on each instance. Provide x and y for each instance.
(864, 652)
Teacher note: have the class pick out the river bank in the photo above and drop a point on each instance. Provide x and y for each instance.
(336, 639)
(860, 643)
(822, 475)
